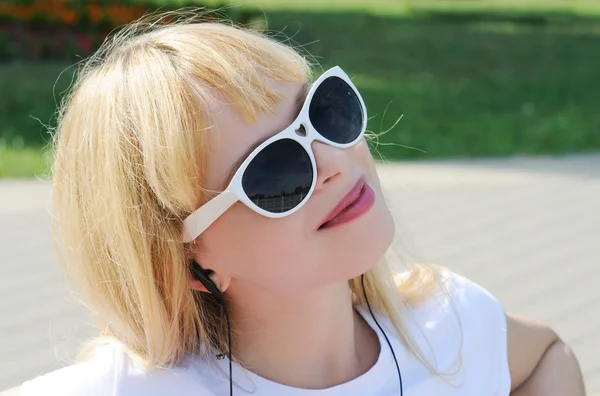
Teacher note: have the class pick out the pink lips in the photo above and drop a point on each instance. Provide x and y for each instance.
(355, 204)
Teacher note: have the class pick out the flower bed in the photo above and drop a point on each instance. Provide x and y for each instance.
(67, 29)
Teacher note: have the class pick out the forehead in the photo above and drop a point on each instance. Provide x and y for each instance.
(232, 135)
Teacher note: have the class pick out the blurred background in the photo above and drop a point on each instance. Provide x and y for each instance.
(488, 113)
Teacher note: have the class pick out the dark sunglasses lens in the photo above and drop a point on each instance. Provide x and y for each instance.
(279, 177)
(335, 111)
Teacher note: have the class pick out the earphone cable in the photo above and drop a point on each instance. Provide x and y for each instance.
(222, 301)
(362, 280)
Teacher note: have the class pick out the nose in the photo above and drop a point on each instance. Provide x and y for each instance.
(332, 163)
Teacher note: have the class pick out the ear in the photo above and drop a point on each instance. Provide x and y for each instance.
(220, 280)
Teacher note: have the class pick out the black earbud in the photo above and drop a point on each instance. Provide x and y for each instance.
(202, 275)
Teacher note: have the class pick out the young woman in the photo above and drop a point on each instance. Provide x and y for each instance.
(220, 212)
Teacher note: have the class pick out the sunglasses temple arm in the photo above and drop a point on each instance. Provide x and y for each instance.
(196, 223)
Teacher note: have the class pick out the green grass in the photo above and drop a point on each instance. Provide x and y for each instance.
(576, 7)
(31, 92)
(411, 7)
(465, 89)
(25, 162)
(466, 83)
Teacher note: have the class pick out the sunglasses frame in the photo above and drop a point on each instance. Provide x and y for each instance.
(199, 220)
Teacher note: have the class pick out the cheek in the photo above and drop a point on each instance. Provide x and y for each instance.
(270, 253)
(362, 155)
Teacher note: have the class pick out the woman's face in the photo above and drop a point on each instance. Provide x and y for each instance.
(292, 253)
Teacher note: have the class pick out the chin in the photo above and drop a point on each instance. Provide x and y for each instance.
(378, 234)
(363, 242)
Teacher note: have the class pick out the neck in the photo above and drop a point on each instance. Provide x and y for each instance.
(312, 340)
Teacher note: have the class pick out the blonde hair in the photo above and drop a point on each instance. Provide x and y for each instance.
(129, 166)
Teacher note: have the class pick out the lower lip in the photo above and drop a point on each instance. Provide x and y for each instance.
(362, 205)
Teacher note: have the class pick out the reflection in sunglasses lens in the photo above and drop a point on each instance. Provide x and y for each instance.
(335, 111)
(279, 177)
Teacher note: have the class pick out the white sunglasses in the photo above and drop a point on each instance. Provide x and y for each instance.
(279, 176)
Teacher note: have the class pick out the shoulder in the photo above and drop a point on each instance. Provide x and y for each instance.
(474, 304)
(111, 373)
(462, 327)
(93, 377)
(458, 300)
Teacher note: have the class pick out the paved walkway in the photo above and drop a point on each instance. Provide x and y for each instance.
(526, 229)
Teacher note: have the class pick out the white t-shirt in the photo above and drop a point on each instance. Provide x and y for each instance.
(483, 369)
